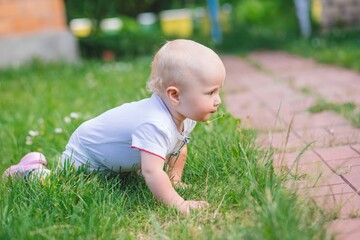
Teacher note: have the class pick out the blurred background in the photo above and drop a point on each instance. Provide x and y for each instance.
(75, 29)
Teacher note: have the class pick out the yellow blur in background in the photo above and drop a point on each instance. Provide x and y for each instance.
(177, 22)
(316, 10)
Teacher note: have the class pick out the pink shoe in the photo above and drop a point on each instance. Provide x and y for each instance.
(29, 162)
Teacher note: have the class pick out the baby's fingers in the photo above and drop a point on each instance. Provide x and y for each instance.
(199, 204)
(181, 185)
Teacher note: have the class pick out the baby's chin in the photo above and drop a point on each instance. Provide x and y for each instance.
(207, 117)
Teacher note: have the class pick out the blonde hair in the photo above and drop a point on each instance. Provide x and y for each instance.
(174, 62)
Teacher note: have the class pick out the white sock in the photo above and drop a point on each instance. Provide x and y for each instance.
(39, 173)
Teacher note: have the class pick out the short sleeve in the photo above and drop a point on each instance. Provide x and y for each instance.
(150, 138)
(189, 126)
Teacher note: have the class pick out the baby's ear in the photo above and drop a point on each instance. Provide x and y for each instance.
(173, 93)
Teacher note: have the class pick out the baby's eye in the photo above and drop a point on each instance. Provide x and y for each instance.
(211, 93)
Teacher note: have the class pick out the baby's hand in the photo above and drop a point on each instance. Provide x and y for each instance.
(181, 185)
(187, 205)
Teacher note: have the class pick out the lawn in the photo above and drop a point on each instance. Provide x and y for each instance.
(41, 104)
(339, 47)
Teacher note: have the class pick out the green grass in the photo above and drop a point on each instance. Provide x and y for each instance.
(225, 168)
(339, 47)
(348, 110)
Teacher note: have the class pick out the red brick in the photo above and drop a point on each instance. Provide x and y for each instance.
(335, 153)
(326, 190)
(289, 158)
(253, 113)
(331, 179)
(356, 147)
(305, 121)
(342, 205)
(280, 61)
(5, 27)
(345, 229)
(318, 136)
(353, 176)
(280, 142)
(8, 9)
(343, 135)
(31, 16)
(344, 166)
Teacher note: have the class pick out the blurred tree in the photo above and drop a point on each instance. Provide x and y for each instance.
(274, 14)
(98, 9)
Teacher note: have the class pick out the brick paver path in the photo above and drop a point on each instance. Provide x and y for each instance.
(271, 92)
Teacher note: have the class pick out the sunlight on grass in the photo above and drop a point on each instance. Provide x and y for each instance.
(225, 168)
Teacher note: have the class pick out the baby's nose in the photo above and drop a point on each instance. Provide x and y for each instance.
(217, 101)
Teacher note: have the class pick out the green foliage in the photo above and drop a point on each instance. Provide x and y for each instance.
(123, 45)
(339, 46)
(246, 38)
(273, 14)
(97, 9)
(256, 24)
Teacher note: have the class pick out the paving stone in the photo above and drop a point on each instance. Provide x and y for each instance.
(303, 73)
(335, 153)
(280, 61)
(280, 142)
(235, 65)
(254, 114)
(344, 166)
(343, 135)
(282, 88)
(283, 99)
(318, 136)
(247, 82)
(303, 80)
(304, 121)
(326, 190)
(288, 159)
(345, 229)
(339, 93)
(309, 175)
(338, 89)
(345, 205)
(356, 147)
(317, 181)
(296, 104)
(244, 102)
(314, 172)
(353, 176)
(240, 75)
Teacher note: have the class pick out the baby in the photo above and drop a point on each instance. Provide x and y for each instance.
(186, 78)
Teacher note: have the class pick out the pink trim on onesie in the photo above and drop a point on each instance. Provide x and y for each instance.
(149, 152)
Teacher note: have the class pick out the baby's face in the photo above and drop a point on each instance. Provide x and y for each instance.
(199, 74)
(200, 98)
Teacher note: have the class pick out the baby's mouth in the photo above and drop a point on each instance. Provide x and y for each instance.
(214, 119)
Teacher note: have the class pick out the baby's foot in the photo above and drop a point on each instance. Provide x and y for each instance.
(33, 161)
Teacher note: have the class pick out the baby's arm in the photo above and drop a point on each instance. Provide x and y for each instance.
(152, 168)
(176, 166)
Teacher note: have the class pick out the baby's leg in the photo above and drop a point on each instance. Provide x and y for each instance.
(33, 163)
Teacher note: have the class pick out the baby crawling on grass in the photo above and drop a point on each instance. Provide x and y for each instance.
(185, 81)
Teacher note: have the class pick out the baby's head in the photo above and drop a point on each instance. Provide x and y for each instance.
(181, 62)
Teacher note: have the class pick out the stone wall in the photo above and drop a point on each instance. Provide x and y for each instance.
(34, 29)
